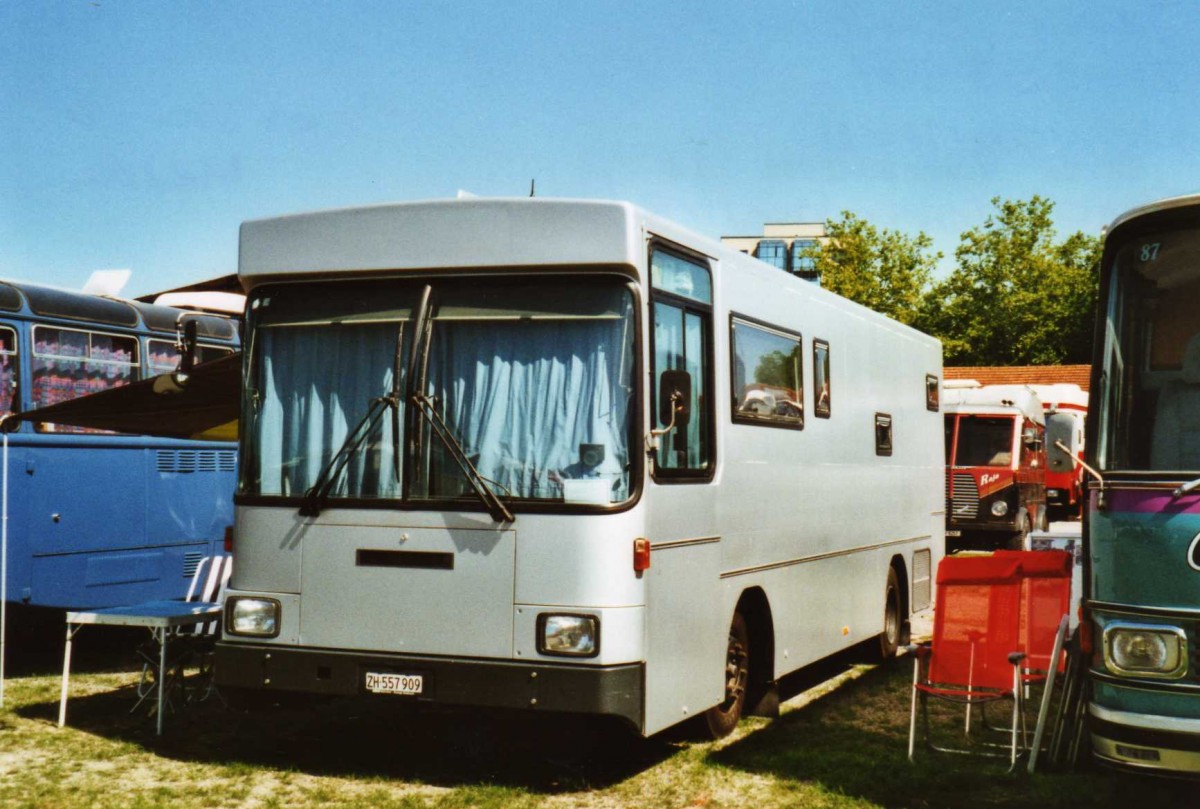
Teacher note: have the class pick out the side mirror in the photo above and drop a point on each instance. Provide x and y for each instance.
(674, 398)
(186, 336)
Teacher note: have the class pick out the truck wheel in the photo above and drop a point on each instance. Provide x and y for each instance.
(889, 638)
(720, 720)
(1017, 542)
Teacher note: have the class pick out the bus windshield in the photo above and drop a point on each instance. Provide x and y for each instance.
(532, 381)
(984, 441)
(1149, 390)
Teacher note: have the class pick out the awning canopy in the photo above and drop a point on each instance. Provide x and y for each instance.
(204, 405)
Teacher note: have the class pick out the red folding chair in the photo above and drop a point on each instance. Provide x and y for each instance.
(988, 637)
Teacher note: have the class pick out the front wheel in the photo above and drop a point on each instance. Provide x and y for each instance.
(720, 720)
(1017, 541)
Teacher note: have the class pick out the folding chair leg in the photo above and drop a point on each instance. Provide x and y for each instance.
(1017, 716)
(912, 719)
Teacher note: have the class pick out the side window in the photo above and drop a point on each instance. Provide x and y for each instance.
(821, 402)
(681, 373)
(767, 374)
(8, 369)
(932, 390)
(68, 363)
(883, 434)
(162, 356)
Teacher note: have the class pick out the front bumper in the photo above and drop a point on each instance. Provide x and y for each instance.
(1164, 745)
(603, 690)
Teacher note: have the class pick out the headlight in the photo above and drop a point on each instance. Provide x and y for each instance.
(569, 635)
(258, 617)
(1136, 650)
(999, 508)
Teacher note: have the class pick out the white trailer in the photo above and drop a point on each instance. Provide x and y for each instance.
(567, 456)
(1066, 413)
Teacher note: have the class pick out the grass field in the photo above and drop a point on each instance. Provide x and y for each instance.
(841, 742)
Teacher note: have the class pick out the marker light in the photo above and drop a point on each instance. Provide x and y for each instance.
(641, 555)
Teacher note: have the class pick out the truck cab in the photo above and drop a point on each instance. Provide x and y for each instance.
(995, 465)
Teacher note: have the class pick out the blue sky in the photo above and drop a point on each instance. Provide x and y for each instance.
(139, 135)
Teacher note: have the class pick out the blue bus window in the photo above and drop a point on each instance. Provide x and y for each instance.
(162, 357)
(68, 363)
(8, 369)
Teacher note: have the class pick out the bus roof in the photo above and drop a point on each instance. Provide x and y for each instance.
(1153, 207)
(520, 233)
(99, 310)
(459, 233)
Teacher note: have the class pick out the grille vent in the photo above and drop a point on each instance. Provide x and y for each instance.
(965, 503)
(196, 460)
(191, 561)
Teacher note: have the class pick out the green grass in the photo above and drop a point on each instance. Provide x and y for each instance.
(836, 745)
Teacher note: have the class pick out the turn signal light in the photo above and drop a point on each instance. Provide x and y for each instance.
(229, 539)
(641, 554)
(1086, 637)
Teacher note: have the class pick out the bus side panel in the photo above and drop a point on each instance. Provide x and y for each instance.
(686, 633)
(190, 497)
(82, 521)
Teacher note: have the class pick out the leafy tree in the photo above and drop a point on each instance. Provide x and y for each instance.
(1017, 296)
(779, 369)
(882, 269)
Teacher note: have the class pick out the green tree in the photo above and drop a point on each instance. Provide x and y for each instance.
(779, 369)
(1017, 295)
(882, 269)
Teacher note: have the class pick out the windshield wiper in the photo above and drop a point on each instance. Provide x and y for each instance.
(1186, 488)
(318, 493)
(491, 500)
(418, 366)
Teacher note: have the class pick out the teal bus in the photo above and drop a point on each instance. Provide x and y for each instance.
(1142, 522)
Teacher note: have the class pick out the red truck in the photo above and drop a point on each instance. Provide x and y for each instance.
(995, 465)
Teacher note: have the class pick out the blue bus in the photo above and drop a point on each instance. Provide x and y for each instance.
(99, 519)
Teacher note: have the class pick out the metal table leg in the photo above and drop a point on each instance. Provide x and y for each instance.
(162, 674)
(66, 675)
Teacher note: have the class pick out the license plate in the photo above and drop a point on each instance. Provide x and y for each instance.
(954, 533)
(388, 683)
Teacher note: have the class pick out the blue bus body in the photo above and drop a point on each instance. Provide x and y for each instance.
(99, 519)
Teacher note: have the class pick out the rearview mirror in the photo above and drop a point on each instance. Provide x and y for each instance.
(674, 398)
(186, 336)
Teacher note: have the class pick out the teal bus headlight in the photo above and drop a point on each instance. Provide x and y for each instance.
(251, 616)
(568, 635)
(1145, 650)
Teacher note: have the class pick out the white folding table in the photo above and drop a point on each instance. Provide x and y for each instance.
(163, 618)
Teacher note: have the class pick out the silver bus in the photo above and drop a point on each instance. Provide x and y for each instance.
(566, 456)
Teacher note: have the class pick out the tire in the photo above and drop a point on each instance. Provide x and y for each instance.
(893, 623)
(1017, 541)
(720, 720)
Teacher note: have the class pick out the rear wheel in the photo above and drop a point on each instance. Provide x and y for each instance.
(720, 720)
(889, 638)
